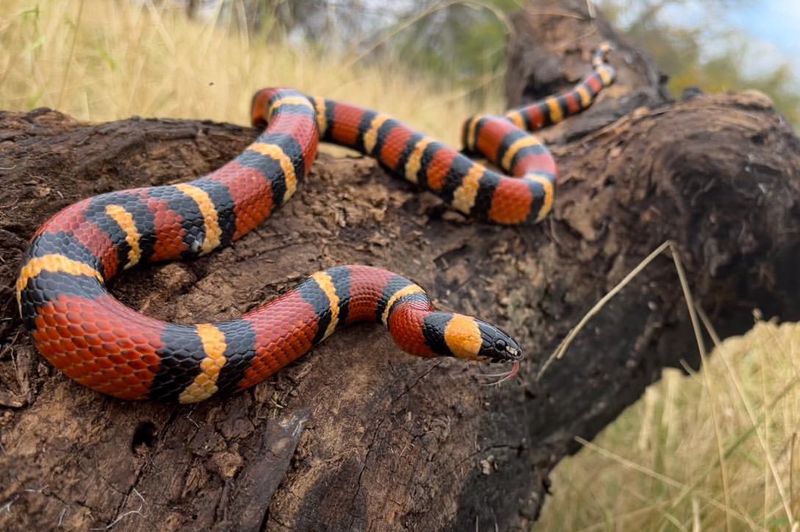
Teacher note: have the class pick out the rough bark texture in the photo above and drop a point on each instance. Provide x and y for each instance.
(359, 436)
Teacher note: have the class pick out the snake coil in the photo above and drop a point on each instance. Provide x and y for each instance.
(99, 342)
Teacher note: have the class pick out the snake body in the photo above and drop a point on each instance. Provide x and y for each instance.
(101, 343)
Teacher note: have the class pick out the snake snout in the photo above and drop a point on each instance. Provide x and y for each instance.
(499, 346)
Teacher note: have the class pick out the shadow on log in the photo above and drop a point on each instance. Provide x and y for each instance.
(357, 435)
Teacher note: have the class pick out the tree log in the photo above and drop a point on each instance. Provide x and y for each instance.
(357, 435)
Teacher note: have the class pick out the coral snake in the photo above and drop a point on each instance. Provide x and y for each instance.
(99, 342)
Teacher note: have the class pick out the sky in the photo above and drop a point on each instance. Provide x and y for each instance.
(774, 21)
(775, 26)
(772, 28)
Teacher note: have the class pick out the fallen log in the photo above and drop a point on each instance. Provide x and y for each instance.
(358, 435)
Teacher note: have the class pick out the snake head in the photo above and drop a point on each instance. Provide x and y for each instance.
(498, 346)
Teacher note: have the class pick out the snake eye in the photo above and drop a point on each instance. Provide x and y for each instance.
(497, 346)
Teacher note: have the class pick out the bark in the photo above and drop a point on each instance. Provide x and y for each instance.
(359, 436)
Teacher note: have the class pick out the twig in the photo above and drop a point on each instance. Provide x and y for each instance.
(121, 516)
(591, 9)
(701, 348)
(567, 341)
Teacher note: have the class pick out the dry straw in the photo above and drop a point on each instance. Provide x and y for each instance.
(676, 476)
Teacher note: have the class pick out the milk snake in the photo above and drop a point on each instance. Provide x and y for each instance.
(99, 342)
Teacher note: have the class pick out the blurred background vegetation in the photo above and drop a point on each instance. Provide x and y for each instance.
(460, 44)
(698, 43)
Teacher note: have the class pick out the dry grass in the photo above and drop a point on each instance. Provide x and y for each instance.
(101, 60)
(711, 451)
(658, 467)
(692, 454)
